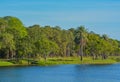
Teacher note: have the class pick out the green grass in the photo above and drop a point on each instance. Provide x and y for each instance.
(4, 63)
(60, 60)
(13, 63)
(117, 58)
(75, 60)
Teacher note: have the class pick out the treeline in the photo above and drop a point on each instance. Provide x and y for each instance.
(18, 41)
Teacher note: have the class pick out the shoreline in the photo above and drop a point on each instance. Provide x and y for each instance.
(57, 64)
(61, 61)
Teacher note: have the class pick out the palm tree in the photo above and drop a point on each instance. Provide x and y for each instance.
(81, 34)
(105, 37)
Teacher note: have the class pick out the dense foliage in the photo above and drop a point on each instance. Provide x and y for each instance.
(18, 41)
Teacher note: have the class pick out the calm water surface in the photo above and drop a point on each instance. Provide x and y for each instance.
(61, 73)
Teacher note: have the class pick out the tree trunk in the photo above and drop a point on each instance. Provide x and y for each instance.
(28, 59)
(104, 56)
(96, 57)
(93, 56)
(45, 57)
(81, 52)
(7, 55)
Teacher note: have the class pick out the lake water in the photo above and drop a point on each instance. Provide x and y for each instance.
(61, 73)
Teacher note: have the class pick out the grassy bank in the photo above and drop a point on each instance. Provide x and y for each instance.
(5, 63)
(75, 60)
(59, 60)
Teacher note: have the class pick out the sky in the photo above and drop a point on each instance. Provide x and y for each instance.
(100, 16)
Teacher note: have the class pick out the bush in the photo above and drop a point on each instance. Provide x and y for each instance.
(34, 62)
(118, 59)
